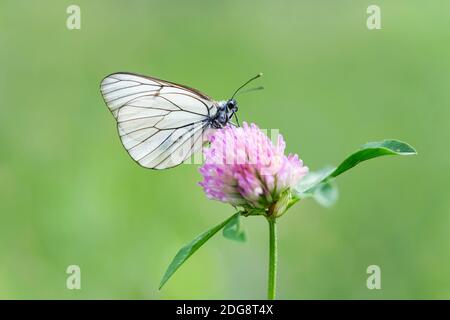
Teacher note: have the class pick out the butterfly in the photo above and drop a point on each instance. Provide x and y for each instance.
(162, 123)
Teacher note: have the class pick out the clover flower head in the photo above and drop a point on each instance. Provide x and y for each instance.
(244, 168)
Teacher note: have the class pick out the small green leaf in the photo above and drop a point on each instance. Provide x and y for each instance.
(312, 180)
(318, 184)
(185, 252)
(315, 185)
(326, 193)
(233, 230)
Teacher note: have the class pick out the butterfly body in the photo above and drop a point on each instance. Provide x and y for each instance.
(225, 111)
(162, 123)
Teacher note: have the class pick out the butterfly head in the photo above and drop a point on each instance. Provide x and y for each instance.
(232, 106)
(228, 108)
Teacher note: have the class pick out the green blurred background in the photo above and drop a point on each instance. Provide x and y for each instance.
(70, 194)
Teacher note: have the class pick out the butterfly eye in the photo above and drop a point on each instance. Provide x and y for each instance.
(231, 104)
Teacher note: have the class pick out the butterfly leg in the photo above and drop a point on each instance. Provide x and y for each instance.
(237, 120)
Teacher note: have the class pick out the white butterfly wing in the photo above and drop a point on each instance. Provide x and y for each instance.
(160, 123)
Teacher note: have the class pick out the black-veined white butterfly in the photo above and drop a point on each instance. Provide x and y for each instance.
(161, 123)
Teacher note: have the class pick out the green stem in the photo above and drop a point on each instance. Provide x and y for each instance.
(272, 258)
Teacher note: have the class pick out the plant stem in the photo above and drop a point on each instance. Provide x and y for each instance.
(272, 258)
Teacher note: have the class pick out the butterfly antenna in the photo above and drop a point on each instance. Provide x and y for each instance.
(248, 81)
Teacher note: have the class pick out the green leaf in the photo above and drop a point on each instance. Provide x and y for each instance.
(326, 194)
(311, 180)
(373, 150)
(318, 185)
(315, 185)
(233, 230)
(185, 252)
